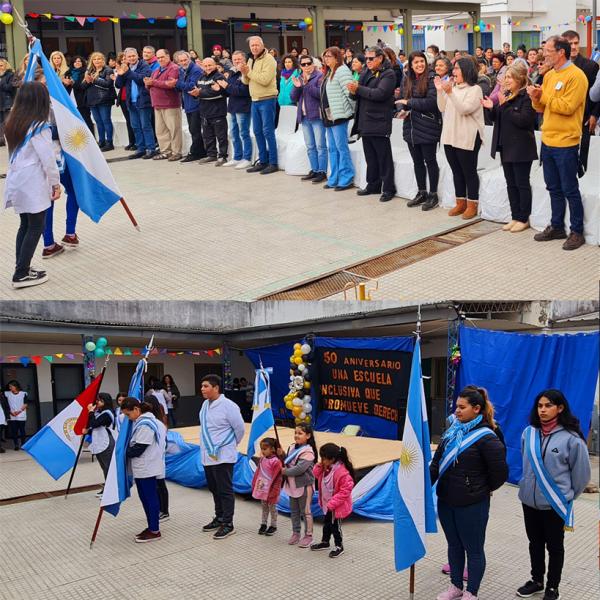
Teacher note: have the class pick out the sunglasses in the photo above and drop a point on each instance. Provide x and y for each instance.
(370, 58)
(306, 64)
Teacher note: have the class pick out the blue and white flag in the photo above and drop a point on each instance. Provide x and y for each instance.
(414, 512)
(118, 481)
(95, 188)
(262, 415)
(55, 445)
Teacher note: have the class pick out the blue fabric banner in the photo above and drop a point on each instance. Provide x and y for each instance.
(516, 367)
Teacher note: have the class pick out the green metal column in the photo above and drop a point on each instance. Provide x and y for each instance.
(194, 27)
(476, 17)
(407, 21)
(318, 25)
(16, 41)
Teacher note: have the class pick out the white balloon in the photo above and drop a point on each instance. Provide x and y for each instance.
(302, 415)
(307, 399)
(306, 349)
(307, 408)
(297, 402)
(301, 367)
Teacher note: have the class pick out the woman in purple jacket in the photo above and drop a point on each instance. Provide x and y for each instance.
(306, 94)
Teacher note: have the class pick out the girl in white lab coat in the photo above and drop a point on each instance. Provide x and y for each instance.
(33, 180)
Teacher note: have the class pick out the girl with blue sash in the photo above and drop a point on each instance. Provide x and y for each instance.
(101, 425)
(556, 469)
(468, 465)
(145, 456)
(33, 180)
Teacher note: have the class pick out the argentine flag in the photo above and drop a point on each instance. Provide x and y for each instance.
(414, 512)
(118, 481)
(94, 185)
(262, 415)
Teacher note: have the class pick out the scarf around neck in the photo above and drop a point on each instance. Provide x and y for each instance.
(457, 431)
(549, 426)
(287, 73)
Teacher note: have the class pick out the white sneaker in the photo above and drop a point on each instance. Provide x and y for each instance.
(243, 164)
(231, 163)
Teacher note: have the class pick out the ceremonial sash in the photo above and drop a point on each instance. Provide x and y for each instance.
(294, 453)
(551, 491)
(212, 448)
(145, 421)
(108, 412)
(451, 452)
(33, 130)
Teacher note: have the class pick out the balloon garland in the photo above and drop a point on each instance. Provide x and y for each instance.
(6, 13)
(298, 399)
(98, 347)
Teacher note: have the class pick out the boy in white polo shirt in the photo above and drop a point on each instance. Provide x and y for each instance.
(221, 430)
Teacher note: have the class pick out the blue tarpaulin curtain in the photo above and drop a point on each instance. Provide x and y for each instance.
(516, 367)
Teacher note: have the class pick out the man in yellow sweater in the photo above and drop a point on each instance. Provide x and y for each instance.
(260, 74)
(562, 100)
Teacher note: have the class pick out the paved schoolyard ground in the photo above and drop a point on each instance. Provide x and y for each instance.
(46, 556)
(213, 233)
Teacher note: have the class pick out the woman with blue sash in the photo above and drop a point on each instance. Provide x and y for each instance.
(556, 469)
(468, 465)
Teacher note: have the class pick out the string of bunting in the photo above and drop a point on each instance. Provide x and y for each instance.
(37, 359)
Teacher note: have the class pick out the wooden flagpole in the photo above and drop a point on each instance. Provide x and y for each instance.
(83, 438)
(96, 527)
(411, 585)
(129, 214)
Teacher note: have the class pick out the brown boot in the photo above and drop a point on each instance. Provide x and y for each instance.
(459, 209)
(471, 209)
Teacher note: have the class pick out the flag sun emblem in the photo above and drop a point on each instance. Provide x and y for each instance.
(68, 426)
(76, 139)
(409, 457)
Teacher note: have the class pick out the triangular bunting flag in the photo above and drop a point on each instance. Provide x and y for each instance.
(59, 355)
(140, 16)
(47, 15)
(70, 19)
(114, 19)
(109, 352)
(49, 358)
(70, 356)
(118, 352)
(80, 20)
(127, 352)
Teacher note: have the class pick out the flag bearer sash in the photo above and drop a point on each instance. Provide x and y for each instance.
(452, 452)
(551, 491)
(212, 448)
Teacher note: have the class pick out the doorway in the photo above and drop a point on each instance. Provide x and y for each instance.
(67, 383)
(125, 372)
(80, 46)
(27, 378)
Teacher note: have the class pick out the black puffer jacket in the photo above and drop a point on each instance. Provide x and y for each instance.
(423, 125)
(479, 470)
(7, 90)
(102, 90)
(375, 102)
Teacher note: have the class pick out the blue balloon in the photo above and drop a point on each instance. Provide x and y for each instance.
(101, 342)
(302, 25)
(181, 22)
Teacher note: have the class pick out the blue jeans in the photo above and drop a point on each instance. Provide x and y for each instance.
(316, 144)
(342, 169)
(240, 136)
(141, 123)
(101, 114)
(464, 528)
(72, 211)
(263, 125)
(560, 175)
(148, 493)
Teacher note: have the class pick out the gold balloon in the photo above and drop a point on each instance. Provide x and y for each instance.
(289, 405)
(307, 419)
(298, 352)
(306, 385)
(296, 410)
(297, 346)
(6, 18)
(298, 360)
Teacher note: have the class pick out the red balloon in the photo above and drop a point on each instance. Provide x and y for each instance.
(181, 12)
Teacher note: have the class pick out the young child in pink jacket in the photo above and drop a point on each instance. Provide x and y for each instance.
(335, 478)
(266, 483)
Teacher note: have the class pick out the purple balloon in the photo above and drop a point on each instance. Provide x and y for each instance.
(7, 7)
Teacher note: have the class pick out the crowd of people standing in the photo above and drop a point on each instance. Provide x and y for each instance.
(441, 101)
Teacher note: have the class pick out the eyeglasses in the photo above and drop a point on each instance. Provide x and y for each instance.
(370, 58)
(306, 64)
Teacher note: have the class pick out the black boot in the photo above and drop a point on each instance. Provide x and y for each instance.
(418, 199)
(431, 202)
